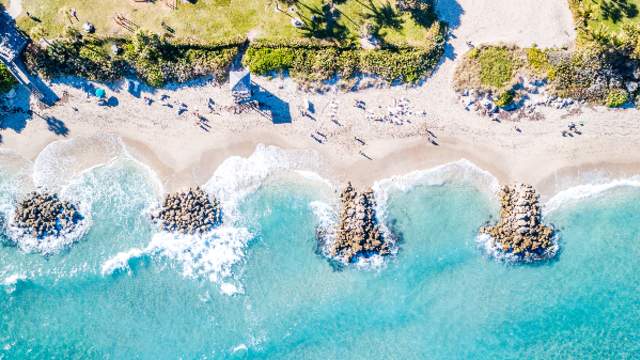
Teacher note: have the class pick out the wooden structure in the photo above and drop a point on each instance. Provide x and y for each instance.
(240, 85)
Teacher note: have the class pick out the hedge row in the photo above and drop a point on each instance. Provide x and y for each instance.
(320, 62)
(148, 57)
(157, 61)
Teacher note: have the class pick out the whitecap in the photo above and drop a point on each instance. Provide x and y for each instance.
(211, 255)
(121, 261)
(491, 248)
(11, 282)
(585, 191)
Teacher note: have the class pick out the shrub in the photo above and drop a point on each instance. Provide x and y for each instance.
(322, 62)
(505, 98)
(538, 61)
(7, 80)
(496, 66)
(617, 98)
(265, 60)
(149, 57)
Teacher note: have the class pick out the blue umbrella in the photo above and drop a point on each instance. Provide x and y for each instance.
(100, 93)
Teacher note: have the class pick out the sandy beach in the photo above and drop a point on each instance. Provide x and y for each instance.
(391, 132)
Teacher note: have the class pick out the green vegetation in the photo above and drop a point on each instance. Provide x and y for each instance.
(212, 21)
(7, 81)
(492, 68)
(617, 98)
(597, 18)
(406, 38)
(320, 62)
(505, 98)
(538, 61)
(147, 56)
(496, 66)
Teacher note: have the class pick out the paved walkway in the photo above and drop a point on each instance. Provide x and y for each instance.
(12, 43)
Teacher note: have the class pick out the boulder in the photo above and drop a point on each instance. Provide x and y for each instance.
(519, 230)
(189, 212)
(358, 232)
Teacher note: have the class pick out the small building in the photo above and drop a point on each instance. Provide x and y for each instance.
(240, 85)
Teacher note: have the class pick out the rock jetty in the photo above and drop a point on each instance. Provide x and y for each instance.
(520, 231)
(358, 230)
(189, 212)
(44, 214)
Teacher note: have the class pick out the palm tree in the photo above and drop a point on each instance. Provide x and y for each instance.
(39, 33)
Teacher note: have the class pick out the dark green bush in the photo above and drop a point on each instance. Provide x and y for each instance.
(617, 98)
(505, 98)
(149, 57)
(322, 62)
(7, 80)
(265, 60)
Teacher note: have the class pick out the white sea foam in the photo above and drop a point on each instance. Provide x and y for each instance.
(11, 282)
(230, 289)
(461, 171)
(121, 261)
(24, 239)
(70, 167)
(491, 248)
(63, 160)
(239, 348)
(585, 191)
(211, 255)
(237, 177)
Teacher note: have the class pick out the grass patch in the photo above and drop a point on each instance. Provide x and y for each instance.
(212, 21)
(496, 67)
(605, 17)
(538, 62)
(492, 68)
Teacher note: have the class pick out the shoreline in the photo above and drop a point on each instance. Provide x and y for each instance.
(393, 129)
(394, 159)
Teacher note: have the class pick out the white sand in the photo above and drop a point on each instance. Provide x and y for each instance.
(183, 154)
(15, 8)
(548, 23)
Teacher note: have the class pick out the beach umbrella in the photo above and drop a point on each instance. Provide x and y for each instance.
(100, 93)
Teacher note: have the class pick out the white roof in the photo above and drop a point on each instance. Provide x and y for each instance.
(240, 81)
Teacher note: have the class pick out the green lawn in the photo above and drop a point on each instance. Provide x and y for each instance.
(607, 16)
(214, 21)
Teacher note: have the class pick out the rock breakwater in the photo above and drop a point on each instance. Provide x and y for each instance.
(358, 232)
(189, 212)
(44, 214)
(520, 231)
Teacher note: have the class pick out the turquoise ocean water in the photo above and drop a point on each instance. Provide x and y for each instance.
(260, 287)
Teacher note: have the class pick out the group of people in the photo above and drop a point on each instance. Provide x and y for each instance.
(572, 129)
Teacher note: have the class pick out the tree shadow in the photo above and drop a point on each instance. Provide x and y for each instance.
(383, 16)
(616, 10)
(450, 12)
(56, 126)
(323, 22)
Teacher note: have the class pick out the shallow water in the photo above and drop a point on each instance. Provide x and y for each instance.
(439, 297)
